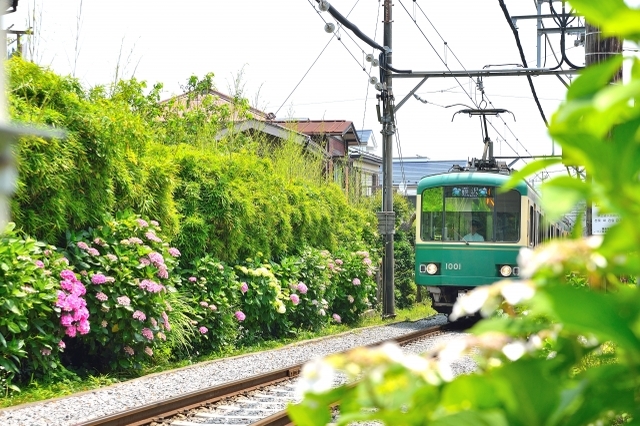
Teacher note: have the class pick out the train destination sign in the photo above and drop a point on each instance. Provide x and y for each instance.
(469, 191)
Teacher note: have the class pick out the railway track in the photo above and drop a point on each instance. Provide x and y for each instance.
(172, 410)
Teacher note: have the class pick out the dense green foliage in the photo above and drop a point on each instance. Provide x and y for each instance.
(553, 351)
(143, 236)
(104, 165)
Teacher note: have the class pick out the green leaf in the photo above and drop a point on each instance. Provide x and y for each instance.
(561, 194)
(473, 418)
(590, 312)
(10, 305)
(13, 327)
(594, 78)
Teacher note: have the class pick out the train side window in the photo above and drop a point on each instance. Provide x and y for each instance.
(531, 228)
(431, 217)
(507, 221)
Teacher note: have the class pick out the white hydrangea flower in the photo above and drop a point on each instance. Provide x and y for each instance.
(469, 303)
(316, 376)
(515, 292)
(514, 350)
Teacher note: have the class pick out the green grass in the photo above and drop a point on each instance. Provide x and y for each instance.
(67, 384)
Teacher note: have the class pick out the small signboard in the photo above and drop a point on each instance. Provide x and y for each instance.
(600, 222)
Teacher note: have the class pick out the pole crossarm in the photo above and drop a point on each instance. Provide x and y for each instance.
(487, 73)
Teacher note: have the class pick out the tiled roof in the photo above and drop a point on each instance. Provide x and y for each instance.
(342, 128)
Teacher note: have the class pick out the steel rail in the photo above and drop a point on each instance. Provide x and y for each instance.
(157, 411)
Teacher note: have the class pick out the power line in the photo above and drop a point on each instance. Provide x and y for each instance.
(449, 69)
(334, 35)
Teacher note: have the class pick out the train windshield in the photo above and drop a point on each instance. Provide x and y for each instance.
(470, 213)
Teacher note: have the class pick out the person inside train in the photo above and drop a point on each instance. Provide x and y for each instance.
(473, 235)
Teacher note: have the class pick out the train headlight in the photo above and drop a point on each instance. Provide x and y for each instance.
(506, 271)
(432, 268)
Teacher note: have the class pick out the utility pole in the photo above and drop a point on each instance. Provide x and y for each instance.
(387, 214)
(598, 49)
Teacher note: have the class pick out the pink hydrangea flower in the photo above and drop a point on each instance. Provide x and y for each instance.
(203, 330)
(337, 318)
(144, 261)
(356, 281)
(128, 350)
(111, 257)
(193, 279)
(339, 261)
(244, 288)
(102, 297)
(123, 301)
(152, 237)
(45, 351)
(139, 315)
(240, 316)
(142, 223)
(154, 222)
(93, 252)
(302, 288)
(213, 307)
(147, 333)
(366, 261)
(83, 327)
(295, 299)
(104, 324)
(61, 344)
(148, 351)
(161, 336)
(39, 263)
(205, 304)
(82, 245)
(163, 272)
(98, 279)
(156, 259)
(135, 240)
(165, 321)
(174, 252)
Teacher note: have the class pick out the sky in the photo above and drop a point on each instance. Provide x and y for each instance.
(277, 54)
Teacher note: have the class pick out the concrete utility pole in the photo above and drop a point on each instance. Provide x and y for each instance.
(387, 216)
(598, 49)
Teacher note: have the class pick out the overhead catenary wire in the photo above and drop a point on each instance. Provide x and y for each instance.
(317, 58)
(375, 33)
(449, 69)
(524, 60)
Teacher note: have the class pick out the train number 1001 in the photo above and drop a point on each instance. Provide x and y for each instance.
(453, 266)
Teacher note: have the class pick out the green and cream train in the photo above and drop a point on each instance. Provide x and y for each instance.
(469, 234)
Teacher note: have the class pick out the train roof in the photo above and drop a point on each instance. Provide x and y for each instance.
(479, 177)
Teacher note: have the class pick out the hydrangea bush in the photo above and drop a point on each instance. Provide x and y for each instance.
(30, 327)
(353, 286)
(128, 272)
(306, 279)
(263, 304)
(212, 288)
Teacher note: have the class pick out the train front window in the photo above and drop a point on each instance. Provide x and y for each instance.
(431, 219)
(470, 213)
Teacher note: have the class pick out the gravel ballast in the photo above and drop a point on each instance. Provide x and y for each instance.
(109, 400)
